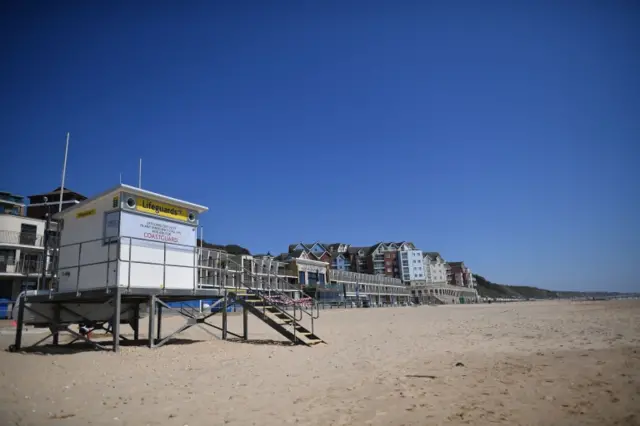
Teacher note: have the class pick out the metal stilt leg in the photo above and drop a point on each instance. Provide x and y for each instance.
(18, 342)
(152, 319)
(116, 320)
(245, 323)
(224, 316)
(136, 323)
(56, 318)
(159, 321)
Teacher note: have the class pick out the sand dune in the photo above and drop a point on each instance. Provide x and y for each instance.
(543, 363)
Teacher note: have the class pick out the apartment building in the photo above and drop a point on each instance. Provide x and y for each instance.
(308, 262)
(21, 247)
(382, 258)
(359, 260)
(337, 247)
(363, 260)
(49, 202)
(411, 266)
(378, 290)
(458, 274)
(340, 262)
(376, 258)
(435, 268)
(314, 251)
(391, 268)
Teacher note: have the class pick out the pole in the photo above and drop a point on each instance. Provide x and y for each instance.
(115, 327)
(245, 322)
(64, 171)
(45, 253)
(224, 316)
(20, 324)
(200, 258)
(152, 319)
(140, 174)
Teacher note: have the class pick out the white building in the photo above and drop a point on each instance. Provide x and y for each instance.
(21, 247)
(435, 268)
(411, 266)
(440, 286)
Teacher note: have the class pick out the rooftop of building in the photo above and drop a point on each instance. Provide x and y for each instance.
(8, 197)
(57, 191)
(134, 191)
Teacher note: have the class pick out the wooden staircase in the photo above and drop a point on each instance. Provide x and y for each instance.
(280, 319)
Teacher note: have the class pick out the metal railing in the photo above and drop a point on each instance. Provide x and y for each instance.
(22, 267)
(311, 309)
(231, 275)
(21, 238)
(367, 283)
(226, 272)
(443, 286)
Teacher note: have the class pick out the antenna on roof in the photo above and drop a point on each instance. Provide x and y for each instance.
(120, 178)
(64, 171)
(140, 174)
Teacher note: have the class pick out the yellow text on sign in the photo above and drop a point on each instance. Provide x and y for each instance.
(85, 213)
(162, 209)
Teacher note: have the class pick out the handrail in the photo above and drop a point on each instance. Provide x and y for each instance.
(21, 238)
(237, 269)
(256, 276)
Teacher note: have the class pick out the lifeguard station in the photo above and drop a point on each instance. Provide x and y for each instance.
(128, 251)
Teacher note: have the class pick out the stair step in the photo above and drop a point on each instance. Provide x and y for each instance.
(280, 320)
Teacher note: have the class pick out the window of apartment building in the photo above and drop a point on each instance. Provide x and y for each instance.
(301, 277)
(10, 210)
(28, 234)
(321, 279)
(312, 277)
(7, 257)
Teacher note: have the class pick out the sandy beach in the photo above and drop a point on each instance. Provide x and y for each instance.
(538, 363)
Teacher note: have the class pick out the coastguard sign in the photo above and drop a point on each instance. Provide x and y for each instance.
(162, 209)
(159, 230)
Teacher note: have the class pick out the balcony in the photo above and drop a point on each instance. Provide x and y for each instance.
(24, 267)
(21, 238)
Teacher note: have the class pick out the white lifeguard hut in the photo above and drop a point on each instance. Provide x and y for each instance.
(129, 238)
(128, 249)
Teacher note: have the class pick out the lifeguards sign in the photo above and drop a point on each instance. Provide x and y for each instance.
(141, 227)
(161, 209)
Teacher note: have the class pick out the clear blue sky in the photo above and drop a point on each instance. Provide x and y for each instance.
(502, 133)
